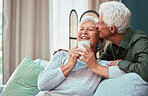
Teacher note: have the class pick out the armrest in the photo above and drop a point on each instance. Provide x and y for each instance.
(129, 84)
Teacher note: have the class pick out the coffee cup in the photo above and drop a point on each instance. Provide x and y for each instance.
(80, 44)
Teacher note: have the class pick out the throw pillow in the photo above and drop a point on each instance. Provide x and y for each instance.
(23, 81)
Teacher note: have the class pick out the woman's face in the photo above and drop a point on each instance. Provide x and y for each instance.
(88, 32)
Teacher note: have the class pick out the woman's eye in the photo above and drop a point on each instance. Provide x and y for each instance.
(90, 30)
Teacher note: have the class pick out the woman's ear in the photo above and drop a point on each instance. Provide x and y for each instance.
(112, 29)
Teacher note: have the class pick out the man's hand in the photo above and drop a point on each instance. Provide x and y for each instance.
(114, 63)
(60, 50)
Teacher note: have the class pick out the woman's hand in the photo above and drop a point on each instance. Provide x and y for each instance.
(73, 55)
(88, 57)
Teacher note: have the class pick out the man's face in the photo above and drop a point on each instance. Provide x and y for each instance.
(88, 32)
(103, 30)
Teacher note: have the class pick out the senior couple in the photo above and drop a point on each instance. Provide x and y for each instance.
(78, 73)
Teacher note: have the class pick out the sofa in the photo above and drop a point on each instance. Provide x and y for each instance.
(23, 82)
(1, 88)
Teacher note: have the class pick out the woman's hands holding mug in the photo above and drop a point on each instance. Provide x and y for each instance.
(73, 55)
(88, 56)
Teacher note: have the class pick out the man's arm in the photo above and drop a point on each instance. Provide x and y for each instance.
(140, 66)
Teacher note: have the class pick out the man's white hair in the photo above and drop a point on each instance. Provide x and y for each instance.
(117, 14)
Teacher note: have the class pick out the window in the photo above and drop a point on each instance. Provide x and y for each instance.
(73, 28)
(59, 35)
(1, 76)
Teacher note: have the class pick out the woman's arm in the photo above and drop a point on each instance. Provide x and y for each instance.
(73, 55)
(55, 72)
(52, 75)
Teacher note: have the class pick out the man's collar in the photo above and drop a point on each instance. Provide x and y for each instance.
(126, 38)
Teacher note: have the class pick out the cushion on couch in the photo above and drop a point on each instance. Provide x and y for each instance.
(23, 81)
(129, 84)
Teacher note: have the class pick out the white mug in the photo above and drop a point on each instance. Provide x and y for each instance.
(80, 44)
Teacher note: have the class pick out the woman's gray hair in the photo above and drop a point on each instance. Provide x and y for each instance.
(88, 18)
(101, 45)
(117, 14)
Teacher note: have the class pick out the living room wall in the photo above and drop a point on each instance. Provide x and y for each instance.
(139, 19)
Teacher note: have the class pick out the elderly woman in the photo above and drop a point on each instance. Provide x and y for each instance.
(66, 74)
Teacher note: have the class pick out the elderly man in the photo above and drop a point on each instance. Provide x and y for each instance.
(128, 51)
(128, 48)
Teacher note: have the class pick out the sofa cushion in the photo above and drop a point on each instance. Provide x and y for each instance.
(23, 81)
(129, 84)
(1, 88)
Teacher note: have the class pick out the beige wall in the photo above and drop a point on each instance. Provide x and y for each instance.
(94, 4)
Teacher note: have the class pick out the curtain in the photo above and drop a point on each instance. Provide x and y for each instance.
(25, 32)
(61, 13)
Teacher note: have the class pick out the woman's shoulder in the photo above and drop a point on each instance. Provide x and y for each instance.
(64, 56)
(61, 54)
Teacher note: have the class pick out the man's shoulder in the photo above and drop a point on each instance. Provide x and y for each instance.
(138, 34)
(139, 39)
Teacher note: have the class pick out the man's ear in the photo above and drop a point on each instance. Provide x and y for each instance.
(112, 29)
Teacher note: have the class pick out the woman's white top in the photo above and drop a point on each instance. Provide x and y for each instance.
(81, 81)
